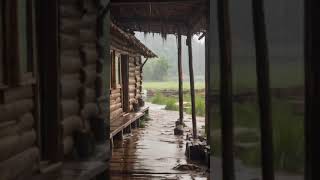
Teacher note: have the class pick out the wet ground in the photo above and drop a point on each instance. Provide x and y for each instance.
(153, 152)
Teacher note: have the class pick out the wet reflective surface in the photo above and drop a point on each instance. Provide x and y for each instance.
(153, 152)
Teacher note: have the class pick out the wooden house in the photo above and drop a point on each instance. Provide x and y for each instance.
(54, 87)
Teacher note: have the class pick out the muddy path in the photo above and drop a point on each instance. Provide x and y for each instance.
(153, 152)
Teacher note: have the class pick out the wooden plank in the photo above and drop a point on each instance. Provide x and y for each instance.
(226, 90)
(263, 80)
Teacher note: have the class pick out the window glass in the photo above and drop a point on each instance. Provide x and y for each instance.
(25, 36)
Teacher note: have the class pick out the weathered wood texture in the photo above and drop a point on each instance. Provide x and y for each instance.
(19, 156)
(263, 80)
(226, 89)
(79, 58)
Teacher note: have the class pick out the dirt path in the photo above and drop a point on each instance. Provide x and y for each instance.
(153, 152)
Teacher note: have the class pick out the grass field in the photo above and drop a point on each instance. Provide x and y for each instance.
(170, 85)
(288, 123)
(288, 130)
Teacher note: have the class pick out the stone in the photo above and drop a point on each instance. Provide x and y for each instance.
(178, 130)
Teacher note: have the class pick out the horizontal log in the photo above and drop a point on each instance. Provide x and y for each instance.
(115, 107)
(114, 91)
(15, 94)
(70, 25)
(70, 64)
(115, 96)
(25, 162)
(69, 11)
(26, 122)
(89, 75)
(69, 42)
(70, 108)
(131, 75)
(70, 77)
(88, 36)
(89, 21)
(90, 110)
(117, 100)
(116, 114)
(90, 95)
(68, 145)
(90, 54)
(132, 81)
(70, 88)
(15, 109)
(71, 124)
(11, 128)
(12, 145)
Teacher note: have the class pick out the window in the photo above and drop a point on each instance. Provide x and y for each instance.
(26, 38)
(116, 70)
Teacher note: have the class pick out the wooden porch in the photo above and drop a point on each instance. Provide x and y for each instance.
(124, 124)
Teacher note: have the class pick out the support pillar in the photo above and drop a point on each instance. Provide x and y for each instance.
(180, 80)
(262, 63)
(226, 106)
(312, 89)
(179, 124)
(194, 121)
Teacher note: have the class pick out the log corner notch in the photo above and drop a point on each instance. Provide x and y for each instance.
(193, 106)
(263, 85)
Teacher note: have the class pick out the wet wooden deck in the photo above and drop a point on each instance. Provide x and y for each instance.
(152, 151)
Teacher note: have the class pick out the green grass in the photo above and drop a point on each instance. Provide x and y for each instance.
(288, 130)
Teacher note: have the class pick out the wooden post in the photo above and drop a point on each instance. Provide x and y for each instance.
(180, 79)
(209, 74)
(193, 110)
(104, 38)
(48, 52)
(312, 89)
(226, 90)
(262, 63)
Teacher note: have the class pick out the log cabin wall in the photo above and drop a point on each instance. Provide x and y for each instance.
(19, 148)
(138, 74)
(78, 37)
(132, 82)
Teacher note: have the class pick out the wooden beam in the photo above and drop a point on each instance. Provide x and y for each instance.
(103, 45)
(262, 63)
(155, 2)
(148, 20)
(226, 90)
(49, 53)
(312, 89)
(209, 76)
(180, 74)
(193, 106)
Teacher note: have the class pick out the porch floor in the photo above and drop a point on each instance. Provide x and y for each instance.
(152, 151)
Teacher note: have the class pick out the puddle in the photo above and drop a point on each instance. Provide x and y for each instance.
(154, 152)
